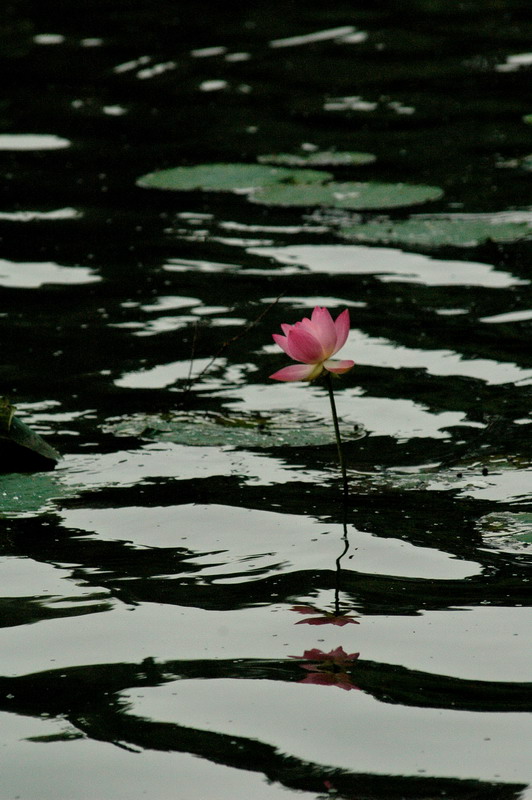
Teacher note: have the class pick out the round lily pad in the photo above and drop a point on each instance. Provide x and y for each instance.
(210, 429)
(227, 178)
(437, 231)
(319, 158)
(528, 119)
(356, 196)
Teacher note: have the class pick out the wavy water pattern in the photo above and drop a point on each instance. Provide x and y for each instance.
(188, 608)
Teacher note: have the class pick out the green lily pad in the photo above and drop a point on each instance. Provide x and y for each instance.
(28, 494)
(507, 530)
(526, 163)
(208, 429)
(528, 119)
(356, 196)
(319, 158)
(437, 231)
(242, 178)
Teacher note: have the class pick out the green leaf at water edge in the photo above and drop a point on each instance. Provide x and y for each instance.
(356, 195)
(240, 178)
(21, 449)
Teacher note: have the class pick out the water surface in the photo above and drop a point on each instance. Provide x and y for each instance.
(187, 607)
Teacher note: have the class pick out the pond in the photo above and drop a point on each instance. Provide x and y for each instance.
(190, 606)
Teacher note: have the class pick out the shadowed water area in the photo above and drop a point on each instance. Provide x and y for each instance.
(187, 607)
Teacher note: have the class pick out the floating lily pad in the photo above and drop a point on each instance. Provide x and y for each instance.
(356, 196)
(21, 449)
(436, 231)
(233, 430)
(27, 494)
(319, 158)
(241, 178)
(528, 119)
(507, 530)
(526, 163)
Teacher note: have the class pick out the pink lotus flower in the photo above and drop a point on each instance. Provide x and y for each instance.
(313, 341)
(329, 669)
(324, 617)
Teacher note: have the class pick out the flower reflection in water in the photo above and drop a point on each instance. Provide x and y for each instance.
(329, 669)
(323, 617)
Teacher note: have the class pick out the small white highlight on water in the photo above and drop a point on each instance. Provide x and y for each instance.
(213, 86)
(32, 141)
(49, 38)
(310, 38)
(208, 52)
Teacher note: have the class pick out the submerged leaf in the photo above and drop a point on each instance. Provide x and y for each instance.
(437, 231)
(29, 494)
(243, 430)
(226, 177)
(356, 195)
(507, 530)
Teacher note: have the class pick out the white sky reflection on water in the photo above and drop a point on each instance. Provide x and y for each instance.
(44, 774)
(49, 38)
(32, 141)
(310, 38)
(29, 216)
(511, 316)
(453, 642)
(183, 462)
(380, 352)
(48, 584)
(32, 275)
(168, 303)
(388, 265)
(381, 415)
(248, 540)
(162, 375)
(351, 726)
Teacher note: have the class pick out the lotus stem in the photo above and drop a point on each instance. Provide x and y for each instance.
(341, 459)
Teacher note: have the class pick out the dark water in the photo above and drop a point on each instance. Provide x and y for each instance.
(171, 592)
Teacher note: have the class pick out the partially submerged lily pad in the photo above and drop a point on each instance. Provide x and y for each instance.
(356, 195)
(507, 530)
(319, 158)
(23, 494)
(439, 230)
(240, 178)
(21, 449)
(210, 429)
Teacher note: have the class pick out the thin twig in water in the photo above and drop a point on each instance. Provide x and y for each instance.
(229, 342)
(192, 355)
